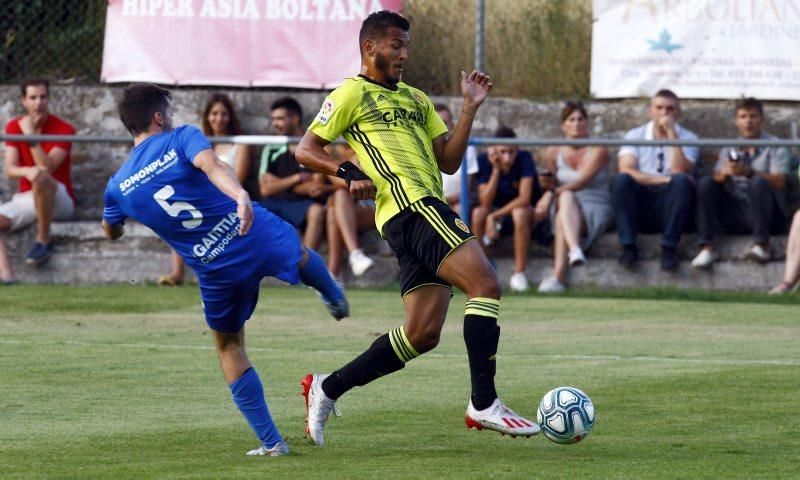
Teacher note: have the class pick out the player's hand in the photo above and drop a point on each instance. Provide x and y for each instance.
(475, 88)
(362, 189)
(244, 210)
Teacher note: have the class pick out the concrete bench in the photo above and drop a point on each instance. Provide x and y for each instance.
(84, 256)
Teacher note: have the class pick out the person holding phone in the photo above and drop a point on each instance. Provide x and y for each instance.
(746, 193)
(582, 199)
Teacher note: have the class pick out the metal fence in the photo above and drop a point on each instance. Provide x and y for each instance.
(57, 39)
(478, 141)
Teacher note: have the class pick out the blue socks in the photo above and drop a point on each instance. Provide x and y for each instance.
(248, 394)
(316, 275)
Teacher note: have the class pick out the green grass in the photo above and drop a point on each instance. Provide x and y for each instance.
(122, 382)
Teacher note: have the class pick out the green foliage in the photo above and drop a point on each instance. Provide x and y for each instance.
(682, 389)
(532, 48)
(59, 39)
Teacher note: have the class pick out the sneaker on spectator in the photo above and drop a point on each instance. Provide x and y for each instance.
(757, 253)
(519, 283)
(629, 257)
(359, 262)
(39, 254)
(704, 259)
(551, 285)
(576, 257)
(669, 259)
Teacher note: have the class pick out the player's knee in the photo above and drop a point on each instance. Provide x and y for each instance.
(424, 339)
(487, 286)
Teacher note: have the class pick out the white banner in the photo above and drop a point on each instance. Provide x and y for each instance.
(698, 48)
(284, 43)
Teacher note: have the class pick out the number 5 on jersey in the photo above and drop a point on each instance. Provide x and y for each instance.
(174, 209)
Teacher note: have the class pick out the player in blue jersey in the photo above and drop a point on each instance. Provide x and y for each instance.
(174, 183)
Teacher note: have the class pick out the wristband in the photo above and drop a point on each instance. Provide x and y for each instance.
(349, 172)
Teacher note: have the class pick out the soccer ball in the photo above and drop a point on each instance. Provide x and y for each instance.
(566, 415)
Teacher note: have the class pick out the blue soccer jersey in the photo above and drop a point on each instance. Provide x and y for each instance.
(161, 188)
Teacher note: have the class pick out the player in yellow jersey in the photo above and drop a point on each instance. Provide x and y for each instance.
(402, 145)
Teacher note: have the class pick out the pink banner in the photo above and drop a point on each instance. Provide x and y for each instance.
(285, 43)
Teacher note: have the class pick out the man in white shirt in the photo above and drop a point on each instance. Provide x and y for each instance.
(451, 184)
(654, 190)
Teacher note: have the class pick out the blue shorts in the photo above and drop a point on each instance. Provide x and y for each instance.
(228, 306)
(292, 211)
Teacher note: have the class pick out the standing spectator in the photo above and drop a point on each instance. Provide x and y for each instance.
(219, 119)
(43, 169)
(583, 210)
(451, 184)
(654, 191)
(287, 189)
(346, 218)
(508, 190)
(746, 193)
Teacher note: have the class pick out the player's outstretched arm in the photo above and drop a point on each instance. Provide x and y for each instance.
(449, 150)
(311, 153)
(113, 232)
(223, 177)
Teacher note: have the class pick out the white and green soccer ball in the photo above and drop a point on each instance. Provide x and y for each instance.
(566, 415)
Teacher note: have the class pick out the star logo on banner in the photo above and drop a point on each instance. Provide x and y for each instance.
(663, 43)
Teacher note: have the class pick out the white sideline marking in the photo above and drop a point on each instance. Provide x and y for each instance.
(639, 358)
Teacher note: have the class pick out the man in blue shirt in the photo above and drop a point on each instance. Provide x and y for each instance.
(174, 183)
(510, 201)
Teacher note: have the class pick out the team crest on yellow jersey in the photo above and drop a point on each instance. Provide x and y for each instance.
(325, 112)
(462, 225)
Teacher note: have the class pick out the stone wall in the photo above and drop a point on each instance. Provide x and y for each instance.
(92, 109)
(84, 257)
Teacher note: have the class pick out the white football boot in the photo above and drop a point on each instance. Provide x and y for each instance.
(318, 406)
(278, 450)
(501, 419)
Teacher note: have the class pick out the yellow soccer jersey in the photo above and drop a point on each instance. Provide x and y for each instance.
(391, 131)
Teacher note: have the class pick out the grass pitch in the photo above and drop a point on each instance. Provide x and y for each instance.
(123, 382)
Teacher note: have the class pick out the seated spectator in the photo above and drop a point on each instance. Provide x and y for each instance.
(508, 190)
(43, 169)
(791, 275)
(287, 189)
(219, 119)
(583, 202)
(451, 184)
(746, 193)
(654, 191)
(347, 218)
